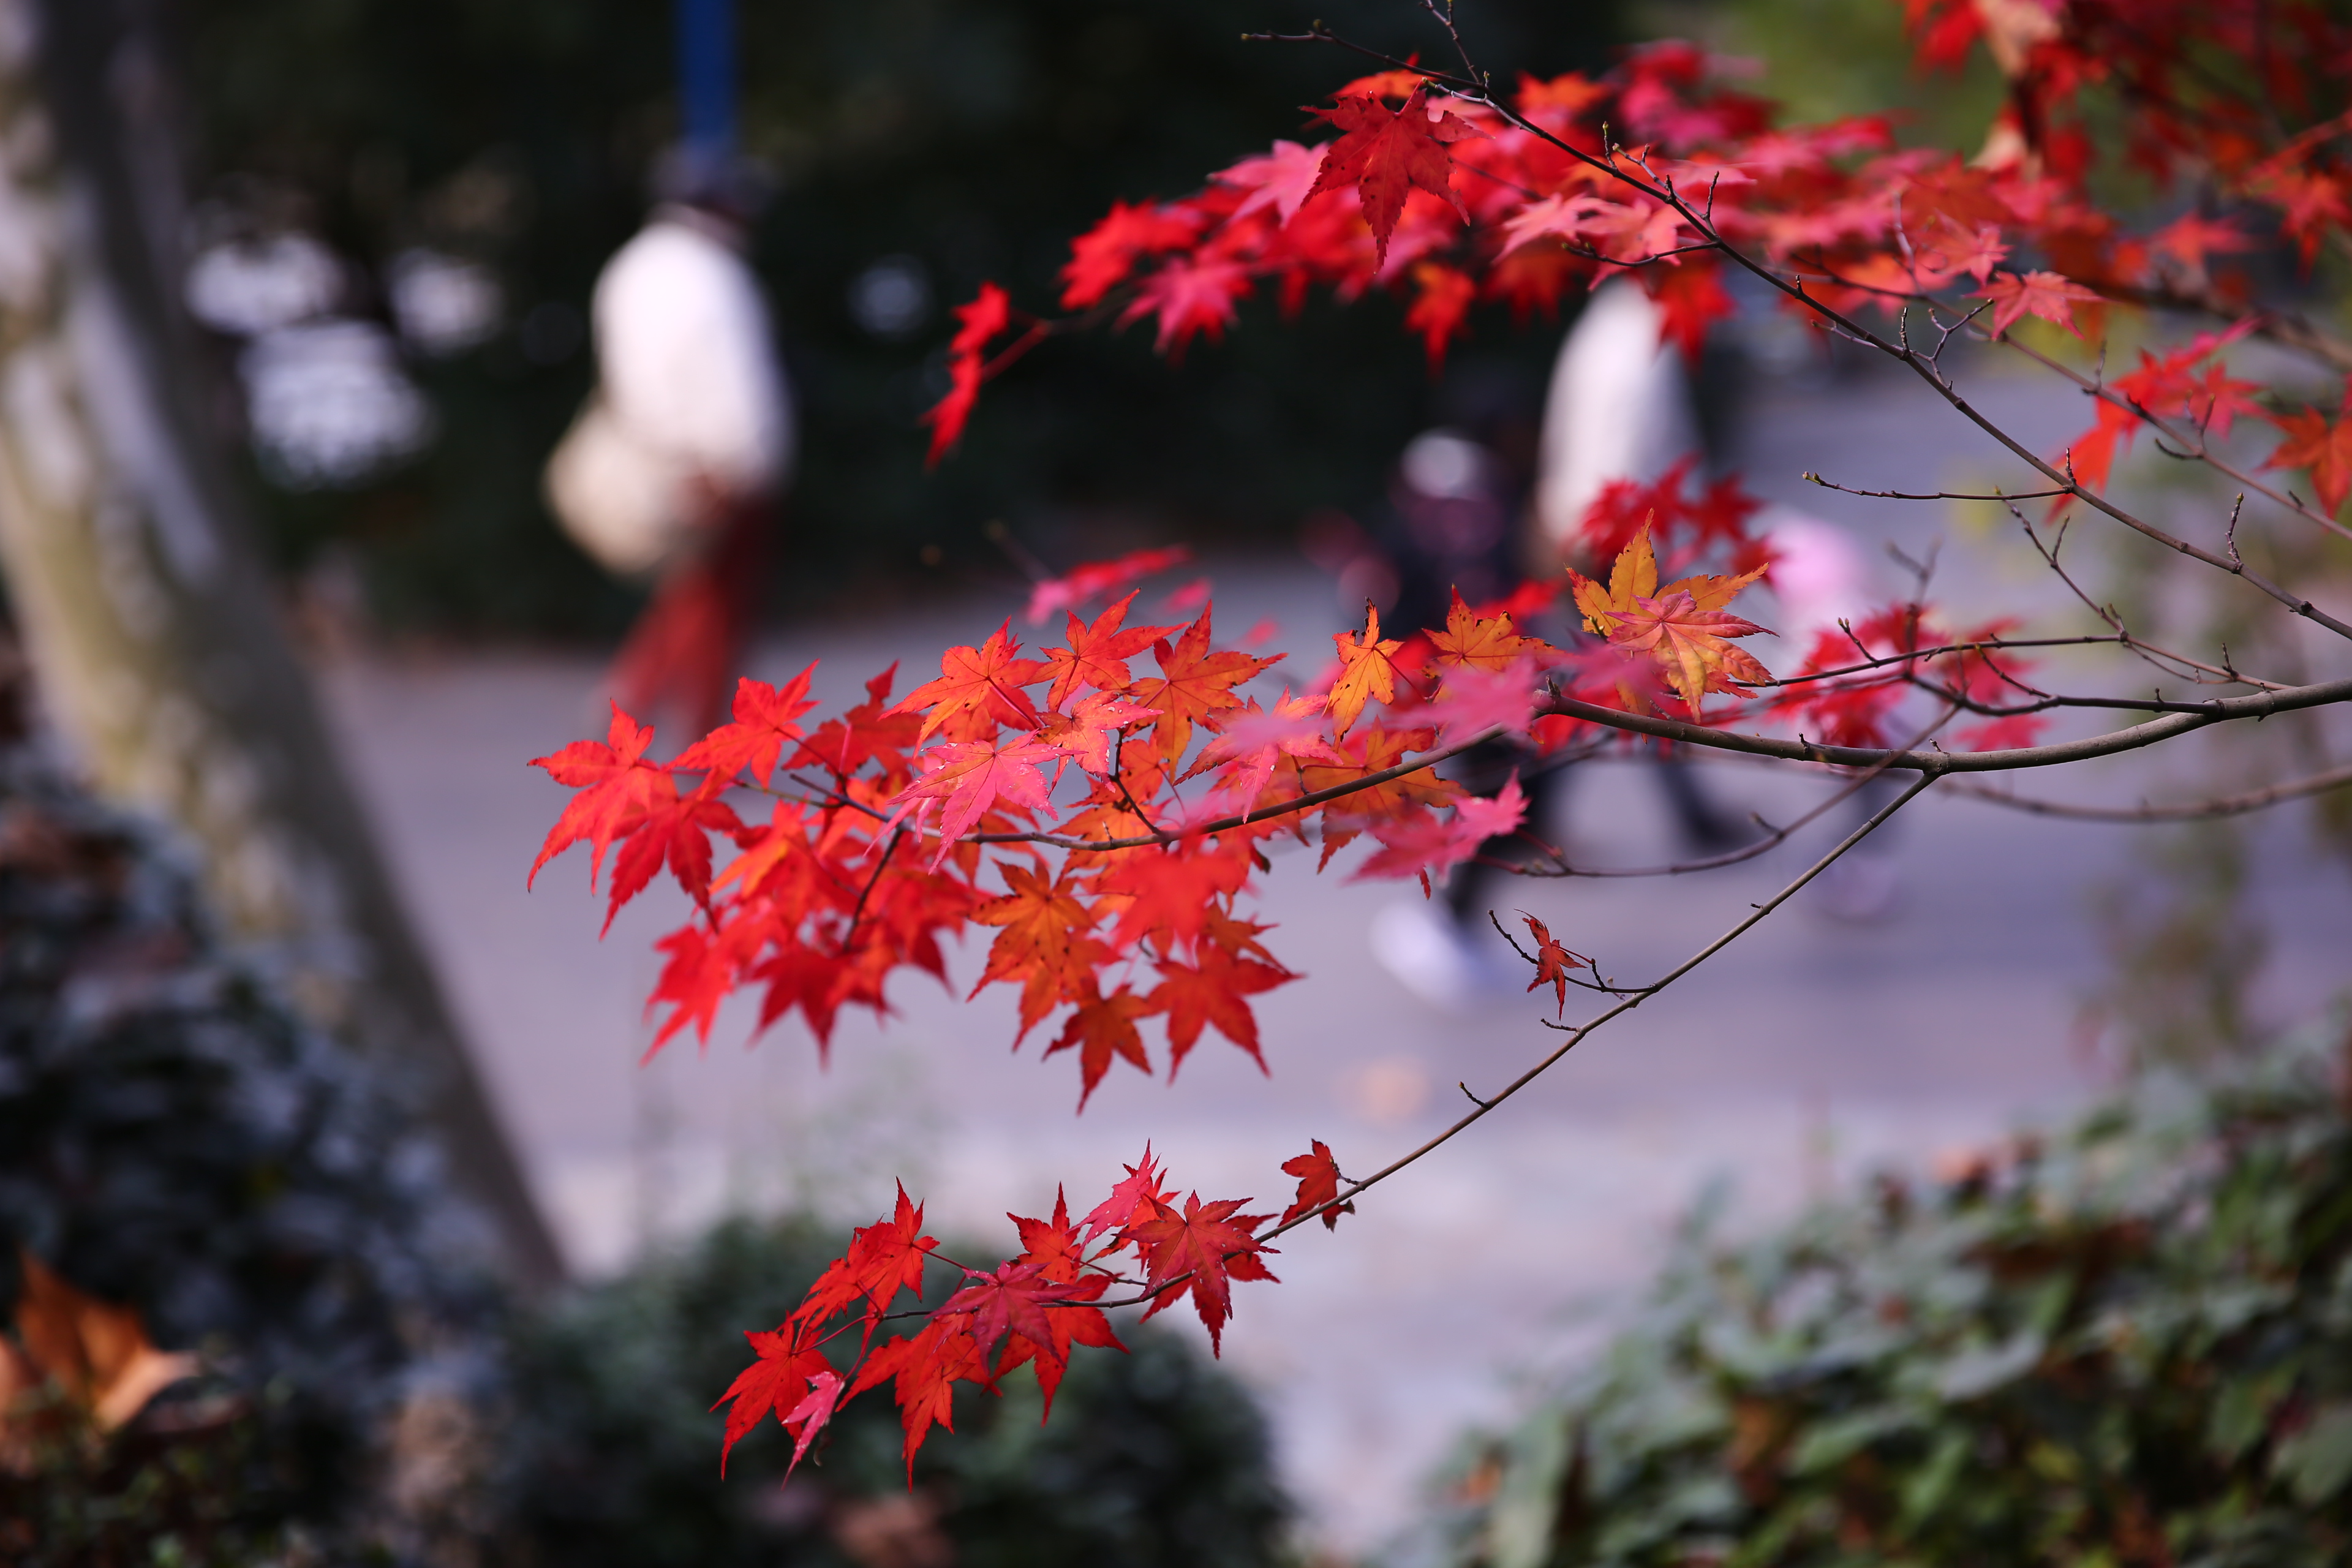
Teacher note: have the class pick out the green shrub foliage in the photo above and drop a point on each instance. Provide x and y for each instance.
(1151, 1459)
(2129, 1344)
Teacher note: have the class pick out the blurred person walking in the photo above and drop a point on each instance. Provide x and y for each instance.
(675, 468)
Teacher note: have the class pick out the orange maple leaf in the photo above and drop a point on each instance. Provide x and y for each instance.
(1481, 642)
(978, 690)
(1683, 625)
(1368, 670)
(1097, 654)
(1195, 686)
(2322, 448)
(1041, 944)
(1386, 152)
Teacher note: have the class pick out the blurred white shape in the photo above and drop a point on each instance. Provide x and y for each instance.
(246, 287)
(1445, 465)
(445, 304)
(892, 298)
(1819, 576)
(330, 404)
(691, 405)
(1618, 407)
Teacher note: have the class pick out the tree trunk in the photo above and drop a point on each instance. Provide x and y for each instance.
(157, 640)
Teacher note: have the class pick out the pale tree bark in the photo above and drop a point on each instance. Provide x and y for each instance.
(153, 630)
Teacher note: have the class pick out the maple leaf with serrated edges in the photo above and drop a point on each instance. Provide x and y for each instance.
(677, 830)
(924, 1370)
(1097, 654)
(1682, 626)
(1385, 153)
(1690, 644)
(1210, 991)
(1139, 1190)
(883, 1259)
(1013, 1301)
(978, 690)
(808, 1417)
(1256, 738)
(2049, 295)
(776, 1381)
(1279, 179)
(1553, 962)
(1100, 1028)
(763, 724)
(1195, 686)
(1070, 1322)
(1085, 732)
(1481, 641)
(970, 776)
(1052, 1244)
(1368, 671)
(1192, 297)
(2322, 448)
(617, 786)
(1170, 891)
(1199, 1253)
(1040, 946)
(1319, 1184)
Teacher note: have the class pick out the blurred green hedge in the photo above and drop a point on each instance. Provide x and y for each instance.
(2128, 1344)
(1154, 1459)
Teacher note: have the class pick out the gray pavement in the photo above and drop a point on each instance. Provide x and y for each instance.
(1812, 1049)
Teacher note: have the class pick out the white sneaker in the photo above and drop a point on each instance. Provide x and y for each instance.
(1436, 961)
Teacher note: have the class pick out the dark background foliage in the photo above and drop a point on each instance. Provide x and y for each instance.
(973, 139)
(1151, 1459)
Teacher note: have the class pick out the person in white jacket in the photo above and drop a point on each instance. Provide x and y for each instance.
(674, 468)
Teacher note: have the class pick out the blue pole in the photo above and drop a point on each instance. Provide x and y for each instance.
(706, 79)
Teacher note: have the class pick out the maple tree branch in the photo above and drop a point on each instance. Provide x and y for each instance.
(2224, 806)
(1256, 814)
(1629, 1000)
(857, 913)
(2148, 653)
(1811, 477)
(2220, 710)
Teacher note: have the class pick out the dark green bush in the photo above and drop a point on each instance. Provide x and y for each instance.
(1151, 1459)
(2128, 1344)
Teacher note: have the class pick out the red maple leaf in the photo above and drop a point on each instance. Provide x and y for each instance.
(1279, 179)
(1194, 686)
(1192, 297)
(1103, 1027)
(2048, 295)
(1013, 1301)
(979, 690)
(1199, 1253)
(1052, 1244)
(776, 1381)
(1085, 732)
(1440, 307)
(679, 830)
(1139, 1191)
(1070, 1322)
(808, 1417)
(1097, 654)
(1319, 1184)
(617, 786)
(2315, 444)
(978, 321)
(883, 1259)
(1170, 891)
(970, 776)
(1553, 962)
(1103, 257)
(1385, 153)
(1475, 700)
(925, 1370)
(1092, 579)
(1210, 992)
(1040, 946)
(1422, 845)
(764, 722)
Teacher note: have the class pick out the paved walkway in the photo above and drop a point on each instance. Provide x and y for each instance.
(1812, 1049)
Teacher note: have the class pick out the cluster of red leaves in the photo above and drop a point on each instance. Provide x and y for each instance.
(1104, 818)
(1875, 665)
(1030, 1311)
(1452, 203)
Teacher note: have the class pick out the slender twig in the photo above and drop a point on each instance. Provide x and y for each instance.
(2225, 805)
